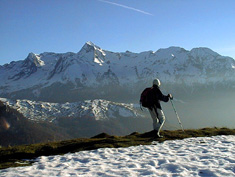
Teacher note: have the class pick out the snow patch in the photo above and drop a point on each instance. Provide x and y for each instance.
(100, 62)
(204, 156)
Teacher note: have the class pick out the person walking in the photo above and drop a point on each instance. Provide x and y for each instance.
(156, 109)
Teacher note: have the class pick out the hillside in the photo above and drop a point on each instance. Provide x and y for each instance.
(21, 155)
(15, 129)
(27, 122)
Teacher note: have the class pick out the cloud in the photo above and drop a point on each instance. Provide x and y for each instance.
(126, 7)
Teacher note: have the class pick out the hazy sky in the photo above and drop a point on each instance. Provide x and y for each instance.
(117, 25)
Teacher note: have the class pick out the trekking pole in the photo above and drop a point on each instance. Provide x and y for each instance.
(177, 115)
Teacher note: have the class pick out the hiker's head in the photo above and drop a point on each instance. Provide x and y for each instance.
(156, 82)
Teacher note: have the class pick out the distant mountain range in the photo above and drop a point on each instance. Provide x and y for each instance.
(25, 121)
(99, 110)
(96, 73)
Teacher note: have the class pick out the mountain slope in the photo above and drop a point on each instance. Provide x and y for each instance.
(15, 129)
(9, 156)
(99, 110)
(25, 121)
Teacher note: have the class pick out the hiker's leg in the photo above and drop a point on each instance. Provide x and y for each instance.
(161, 118)
(154, 117)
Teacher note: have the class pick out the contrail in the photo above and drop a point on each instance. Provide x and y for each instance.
(127, 7)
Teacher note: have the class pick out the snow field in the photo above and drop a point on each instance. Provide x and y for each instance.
(206, 156)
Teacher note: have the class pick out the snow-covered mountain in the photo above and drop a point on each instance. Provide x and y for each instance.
(99, 110)
(96, 73)
(26, 121)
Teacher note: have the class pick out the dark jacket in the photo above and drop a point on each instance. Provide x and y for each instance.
(158, 96)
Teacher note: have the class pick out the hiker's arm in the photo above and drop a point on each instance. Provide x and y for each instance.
(163, 97)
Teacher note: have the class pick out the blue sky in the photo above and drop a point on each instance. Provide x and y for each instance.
(117, 25)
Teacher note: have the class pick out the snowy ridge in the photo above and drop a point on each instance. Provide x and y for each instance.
(94, 67)
(204, 156)
(97, 109)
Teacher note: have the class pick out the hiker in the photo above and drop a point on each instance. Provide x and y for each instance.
(154, 106)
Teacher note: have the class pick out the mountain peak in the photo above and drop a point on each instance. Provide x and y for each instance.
(203, 51)
(34, 59)
(170, 50)
(90, 43)
(89, 46)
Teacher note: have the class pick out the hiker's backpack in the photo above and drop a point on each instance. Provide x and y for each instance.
(146, 98)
